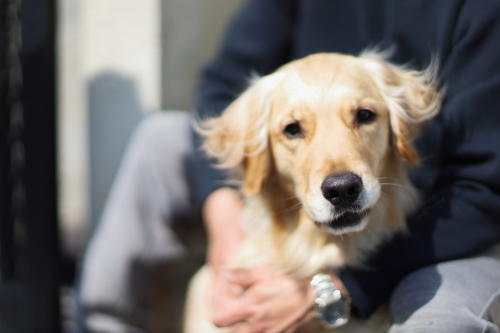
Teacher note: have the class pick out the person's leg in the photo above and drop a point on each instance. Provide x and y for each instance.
(134, 230)
(456, 296)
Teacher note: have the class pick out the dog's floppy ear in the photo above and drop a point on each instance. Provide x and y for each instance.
(413, 98)
(239, 137)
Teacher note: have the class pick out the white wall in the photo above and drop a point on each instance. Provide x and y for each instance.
(123, 36)
(73, 170)
(109, 52)
(119, 59)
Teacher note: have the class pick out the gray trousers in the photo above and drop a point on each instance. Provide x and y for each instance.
(135, 235)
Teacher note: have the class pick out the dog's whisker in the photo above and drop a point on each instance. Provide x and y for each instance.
(394, 184)
(291, 198)
(297, 206)
(393, 178)
(383, 196)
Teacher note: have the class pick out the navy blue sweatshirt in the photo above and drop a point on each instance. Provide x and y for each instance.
(459, 176)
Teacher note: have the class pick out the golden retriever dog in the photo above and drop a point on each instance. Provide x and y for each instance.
(321, 148)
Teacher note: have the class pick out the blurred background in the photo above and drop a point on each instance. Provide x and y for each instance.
(76, 77)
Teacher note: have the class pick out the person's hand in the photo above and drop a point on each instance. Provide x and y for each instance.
(222, 216)
(271, 302)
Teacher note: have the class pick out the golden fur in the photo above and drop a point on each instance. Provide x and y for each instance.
(287, 221)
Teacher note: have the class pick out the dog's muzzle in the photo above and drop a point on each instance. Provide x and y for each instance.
(342, 191)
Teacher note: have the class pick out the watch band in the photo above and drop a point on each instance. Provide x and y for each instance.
(331, 306)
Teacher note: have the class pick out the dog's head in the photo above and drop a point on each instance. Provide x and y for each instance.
(331, 130)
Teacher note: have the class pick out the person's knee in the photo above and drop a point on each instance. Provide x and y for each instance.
(423, 302)
(155, 126)
(414, 292)
(444, 319)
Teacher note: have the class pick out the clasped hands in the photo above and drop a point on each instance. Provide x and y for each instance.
(263, 300)
(256, 300)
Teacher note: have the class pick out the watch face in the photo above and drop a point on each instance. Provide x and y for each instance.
(335, 313)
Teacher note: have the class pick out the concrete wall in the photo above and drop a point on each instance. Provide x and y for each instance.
(109, 59)
(120, 59)
(73, 164)
(191, 32)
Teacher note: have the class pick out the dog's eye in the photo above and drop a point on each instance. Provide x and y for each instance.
(365, 116)
(293, 131)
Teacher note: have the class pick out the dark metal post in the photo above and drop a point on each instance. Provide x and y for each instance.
(29, 288)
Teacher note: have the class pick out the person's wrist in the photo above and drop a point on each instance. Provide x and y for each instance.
(220, 253)
(333, 302)
(339, 284)
(221, 214)
(220, 198)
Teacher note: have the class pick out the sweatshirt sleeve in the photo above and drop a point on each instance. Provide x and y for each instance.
(460, 215)
(257, 42)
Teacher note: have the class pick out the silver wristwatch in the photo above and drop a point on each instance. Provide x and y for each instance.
(332, 308)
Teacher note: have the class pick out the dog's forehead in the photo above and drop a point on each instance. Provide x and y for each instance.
(336, 84)
(324, 67)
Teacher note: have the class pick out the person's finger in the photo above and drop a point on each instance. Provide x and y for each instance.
(242, 277)
(242, 328)
(236, 312)
(235, 290)
(249, 328)
(224, 293)
(238, 328)
(219, 291)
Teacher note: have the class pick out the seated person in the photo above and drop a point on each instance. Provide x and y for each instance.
(437, 279)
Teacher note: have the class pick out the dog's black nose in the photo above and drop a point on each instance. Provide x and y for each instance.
(342, 188)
